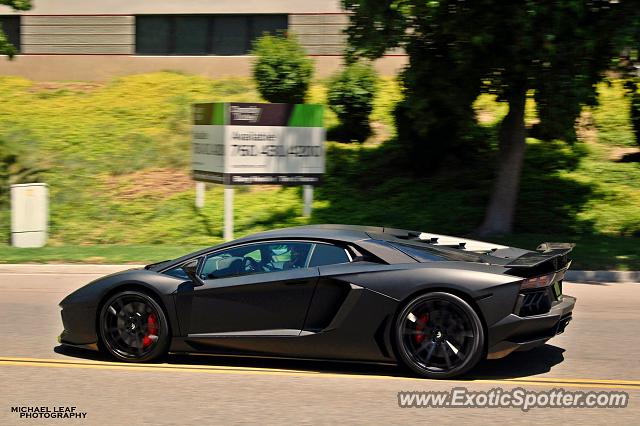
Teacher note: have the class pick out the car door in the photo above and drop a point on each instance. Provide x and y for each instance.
(254, 289)
(332, 298)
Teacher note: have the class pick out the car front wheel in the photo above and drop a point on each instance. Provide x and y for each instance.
(133, 327)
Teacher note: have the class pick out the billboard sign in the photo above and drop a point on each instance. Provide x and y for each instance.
(255, 143)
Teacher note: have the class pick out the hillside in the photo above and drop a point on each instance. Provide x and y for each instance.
(116, 157)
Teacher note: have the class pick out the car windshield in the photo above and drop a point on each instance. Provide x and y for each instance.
(256, 258)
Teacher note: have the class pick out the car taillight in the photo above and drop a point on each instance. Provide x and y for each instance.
(537, 282)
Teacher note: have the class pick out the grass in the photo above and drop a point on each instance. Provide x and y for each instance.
(100, 254)
(117, 159)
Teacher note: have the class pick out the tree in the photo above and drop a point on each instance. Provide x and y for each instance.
(459, 49)
(7, 48)
(282, 71)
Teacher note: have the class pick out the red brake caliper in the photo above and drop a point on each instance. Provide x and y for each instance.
(152, 330)
(420, 325)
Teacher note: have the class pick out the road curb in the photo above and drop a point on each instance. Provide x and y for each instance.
(61, 268)
(47, 268)
(603, 276)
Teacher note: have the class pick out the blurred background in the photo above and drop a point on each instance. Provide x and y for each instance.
(517, 123)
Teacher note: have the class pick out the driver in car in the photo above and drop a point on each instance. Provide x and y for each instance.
(296, 260)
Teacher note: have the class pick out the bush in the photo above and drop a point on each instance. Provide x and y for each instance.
(350, 96)
(19, 163)
(612, 114)
(282, 71)
(6, 48)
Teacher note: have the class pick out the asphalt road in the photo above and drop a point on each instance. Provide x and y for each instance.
(598, 352)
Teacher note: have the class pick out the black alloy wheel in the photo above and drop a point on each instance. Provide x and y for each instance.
(133, 327)
(438, 335)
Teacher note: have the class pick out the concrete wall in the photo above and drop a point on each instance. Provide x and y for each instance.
(78, 35)
(320, 34)
(132, 7)
(106, 67)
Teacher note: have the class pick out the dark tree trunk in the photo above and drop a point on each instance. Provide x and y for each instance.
(500, 212)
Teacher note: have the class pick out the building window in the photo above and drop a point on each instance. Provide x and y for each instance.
(203, 34)
(11, 27)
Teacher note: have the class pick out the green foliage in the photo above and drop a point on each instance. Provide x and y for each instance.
(90, 134)
(17, 4)
(612, 114)
(7, 48)
(281, 70)
(19, 163)
(388, 94)
(121, 127)
(627, 67)
(350, 97)
(458, 50)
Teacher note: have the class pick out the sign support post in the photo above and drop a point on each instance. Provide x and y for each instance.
(307, 198)
(228, 213)
(200, 190)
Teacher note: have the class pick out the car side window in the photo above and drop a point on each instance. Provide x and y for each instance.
(328, 254)
(256, 258)
(178, 272)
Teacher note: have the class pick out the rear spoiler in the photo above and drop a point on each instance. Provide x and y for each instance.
(553, 253)
(555, 246)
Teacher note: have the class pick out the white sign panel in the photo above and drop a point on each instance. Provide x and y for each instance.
(243, 144)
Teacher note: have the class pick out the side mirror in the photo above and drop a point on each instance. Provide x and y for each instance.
(191, 269)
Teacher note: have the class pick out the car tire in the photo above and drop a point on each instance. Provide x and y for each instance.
(438, 336)
(133, 327)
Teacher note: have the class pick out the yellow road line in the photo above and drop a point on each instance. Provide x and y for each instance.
(562, 379)
(221, 369)
(140, 365)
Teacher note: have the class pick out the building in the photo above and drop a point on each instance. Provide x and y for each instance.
(102, 39)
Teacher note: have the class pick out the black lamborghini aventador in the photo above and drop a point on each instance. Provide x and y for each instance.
(434, 303)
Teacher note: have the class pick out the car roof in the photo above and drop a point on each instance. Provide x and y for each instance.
(333, 233)
(336, 232)
(327, 232)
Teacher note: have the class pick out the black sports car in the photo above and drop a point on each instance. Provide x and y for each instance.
(434, 303)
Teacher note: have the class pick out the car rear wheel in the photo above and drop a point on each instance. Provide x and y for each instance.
(438, 335)
(133, 327)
